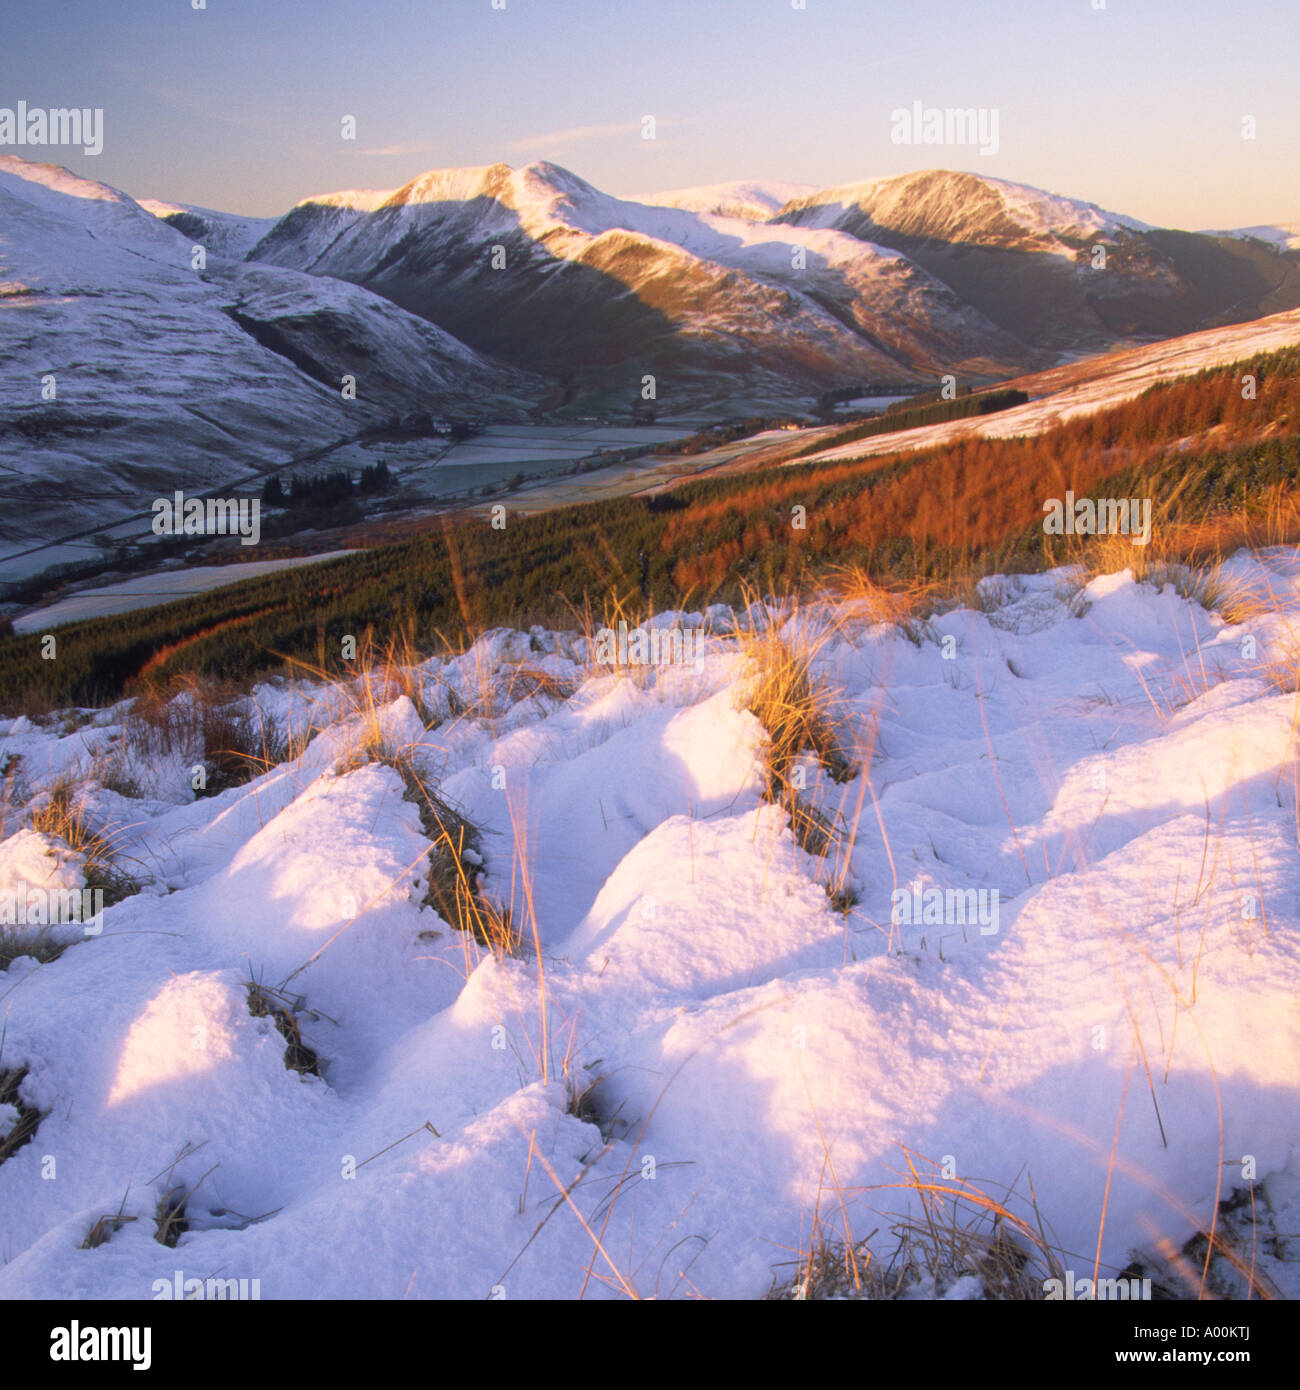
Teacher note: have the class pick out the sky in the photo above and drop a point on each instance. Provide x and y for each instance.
(1138, 105)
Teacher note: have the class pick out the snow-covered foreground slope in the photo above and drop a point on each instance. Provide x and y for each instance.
(1113, 764)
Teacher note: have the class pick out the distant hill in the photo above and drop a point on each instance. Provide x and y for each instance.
(1026, 259)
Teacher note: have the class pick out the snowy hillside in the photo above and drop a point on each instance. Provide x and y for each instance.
(222, 233)
(1282, 237)
(169, 375)
(1081, 388)
(710, 1038)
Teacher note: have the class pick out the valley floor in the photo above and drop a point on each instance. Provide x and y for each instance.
(149, 590)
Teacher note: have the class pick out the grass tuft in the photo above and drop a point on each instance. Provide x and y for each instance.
(953, 1232)
(61, 813)
(105, 1228)
(202, 722)
(281, 1009)
(29, 1118)
(41, 945)
(793, 706)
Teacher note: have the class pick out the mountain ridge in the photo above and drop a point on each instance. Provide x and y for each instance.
(1001, 276)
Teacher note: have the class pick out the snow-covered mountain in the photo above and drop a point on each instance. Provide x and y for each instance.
(971, 209)
(1029, 259)
(755, 199)
(128, 372)
(540, 268)
(1283, 236)
(794, 289)
(224, 234)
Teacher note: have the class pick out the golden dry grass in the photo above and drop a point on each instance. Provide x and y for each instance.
(199, 718)
(953, 1231)
(794, 706)
(60, 811)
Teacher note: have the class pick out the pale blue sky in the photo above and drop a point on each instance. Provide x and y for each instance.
(1137, 106)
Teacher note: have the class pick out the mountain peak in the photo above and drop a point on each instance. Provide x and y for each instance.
(60, 180)
(960, 206)
(450, 185)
